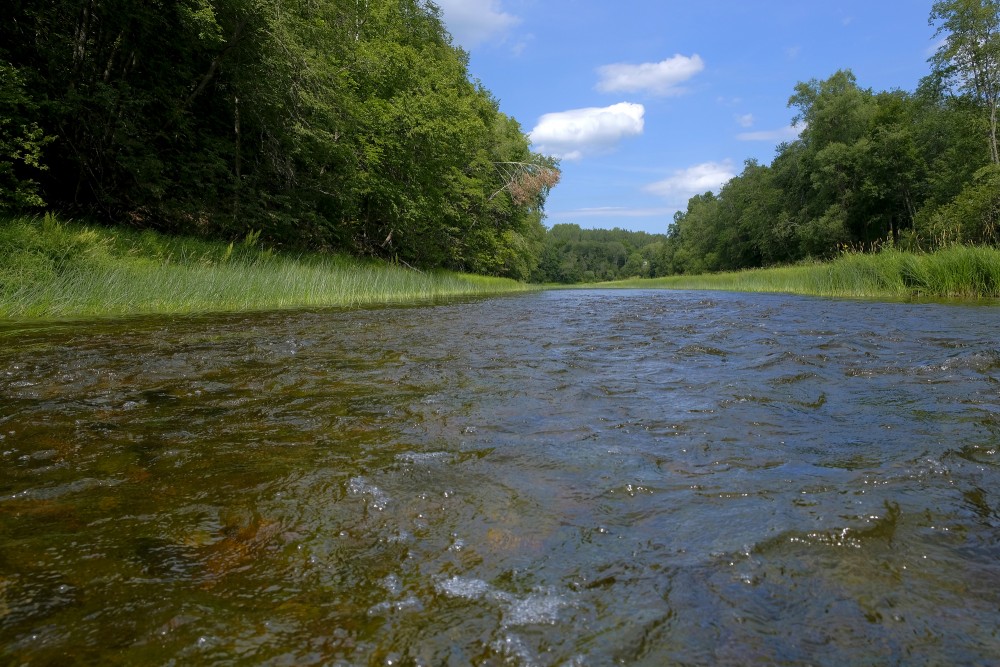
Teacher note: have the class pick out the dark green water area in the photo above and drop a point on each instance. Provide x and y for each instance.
(561, 478)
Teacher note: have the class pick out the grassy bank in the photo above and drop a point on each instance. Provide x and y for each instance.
(57, 269)
(959, 271)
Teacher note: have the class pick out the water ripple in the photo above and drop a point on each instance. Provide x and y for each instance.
(563, 478)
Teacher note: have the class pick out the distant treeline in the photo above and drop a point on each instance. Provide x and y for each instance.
(575, 255)
(327, 124)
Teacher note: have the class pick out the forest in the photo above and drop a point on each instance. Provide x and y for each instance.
(353, 126)
(571, 254)
(346, 125)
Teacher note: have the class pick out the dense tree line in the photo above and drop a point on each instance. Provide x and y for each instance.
(918, 169)
(572, 255)
(321, 124)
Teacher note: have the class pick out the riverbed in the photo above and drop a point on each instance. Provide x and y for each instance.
(557, 478)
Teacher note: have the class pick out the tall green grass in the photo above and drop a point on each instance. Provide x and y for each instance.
(55, 269)
(958, 271)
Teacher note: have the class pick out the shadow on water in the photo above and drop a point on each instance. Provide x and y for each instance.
(561, 478)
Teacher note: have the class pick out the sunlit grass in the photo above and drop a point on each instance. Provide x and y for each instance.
(958, 271)
(55, 269)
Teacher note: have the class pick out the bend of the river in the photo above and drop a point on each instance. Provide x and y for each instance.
(558, 478)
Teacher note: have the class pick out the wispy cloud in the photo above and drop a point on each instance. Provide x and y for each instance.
(661, 79)
(786, 133)
(745, 120)
(475, 22)
(569, 135)
(685, 183)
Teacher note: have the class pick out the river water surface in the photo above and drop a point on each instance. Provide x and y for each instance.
(560, 478)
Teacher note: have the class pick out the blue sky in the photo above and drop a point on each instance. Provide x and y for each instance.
(647, 102)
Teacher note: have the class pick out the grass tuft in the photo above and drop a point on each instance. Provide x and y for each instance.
(954, 272)
(56, 269)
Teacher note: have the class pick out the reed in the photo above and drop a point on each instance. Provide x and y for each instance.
(56, 269)
(953, 272)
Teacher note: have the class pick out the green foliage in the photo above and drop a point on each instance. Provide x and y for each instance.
(21, 144)
(326, 125)
(969, 58)
(52, 269)
(973, 217)
(571, 254)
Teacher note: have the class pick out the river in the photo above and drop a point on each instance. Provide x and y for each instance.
(560, 478)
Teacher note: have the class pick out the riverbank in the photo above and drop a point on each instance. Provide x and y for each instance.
(57, 269)
(956, 272)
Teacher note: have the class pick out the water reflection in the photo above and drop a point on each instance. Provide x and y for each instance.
(566, 478)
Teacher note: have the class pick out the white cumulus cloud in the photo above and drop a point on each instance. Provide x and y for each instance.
(474, 22)
(685, 183)
(662, 78)
(569, 135)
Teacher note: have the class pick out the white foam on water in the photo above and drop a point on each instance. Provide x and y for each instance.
(459, 587)
(400, 537)
(535, 609)
(424, 457)
(541, 607)
(513, 647)
(359, 486)
(411, 603)
(392, 584)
